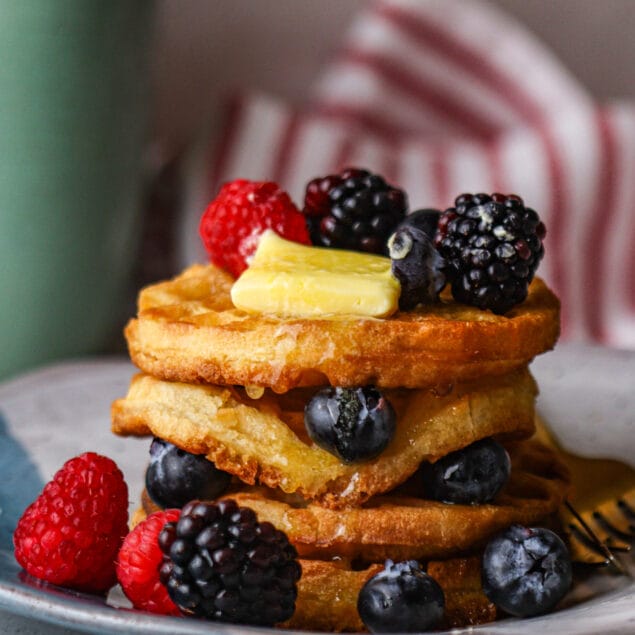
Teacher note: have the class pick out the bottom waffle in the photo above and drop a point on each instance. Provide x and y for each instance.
(328, 590)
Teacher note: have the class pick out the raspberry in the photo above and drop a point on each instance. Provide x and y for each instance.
(492, 246)
(138, 565)
(234, 221)
(71, 533)
(221, 563)
(353, 210)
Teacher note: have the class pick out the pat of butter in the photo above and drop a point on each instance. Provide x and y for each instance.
(290, 279)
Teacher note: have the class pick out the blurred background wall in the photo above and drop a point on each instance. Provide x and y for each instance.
(203, 48)
(201, 51)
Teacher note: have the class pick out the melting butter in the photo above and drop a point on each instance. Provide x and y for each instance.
(290, 279)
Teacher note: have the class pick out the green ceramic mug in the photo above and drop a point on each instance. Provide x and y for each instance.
(72, 107)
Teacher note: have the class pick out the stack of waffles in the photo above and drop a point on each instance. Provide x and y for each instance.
(233, 386)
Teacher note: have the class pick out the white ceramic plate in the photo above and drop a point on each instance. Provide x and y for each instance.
(46, 417)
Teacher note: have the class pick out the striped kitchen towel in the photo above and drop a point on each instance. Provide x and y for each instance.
(451, 96)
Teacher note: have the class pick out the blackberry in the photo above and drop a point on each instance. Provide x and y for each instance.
(492, 245)
(354, 210)
(175, 477)
(222, 564)
(354, 424)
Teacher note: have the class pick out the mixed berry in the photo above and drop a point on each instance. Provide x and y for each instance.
(215, 560)
(486, 247)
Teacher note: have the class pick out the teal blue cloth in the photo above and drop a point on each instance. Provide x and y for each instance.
(20, 483)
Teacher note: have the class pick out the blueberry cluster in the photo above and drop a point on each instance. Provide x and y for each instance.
(525, 572)
(222, 564)
(487, 247)
(354, 210)
(492, 245)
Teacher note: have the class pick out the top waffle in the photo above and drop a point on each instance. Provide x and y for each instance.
(188, 330)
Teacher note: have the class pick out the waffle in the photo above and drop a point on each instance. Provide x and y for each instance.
(327, 595)
(187, 330)
(263, 440)
(402, 525)
(399, 526)
(232, 386)
(328, 590)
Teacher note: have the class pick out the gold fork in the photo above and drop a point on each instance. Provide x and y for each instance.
(599, 516)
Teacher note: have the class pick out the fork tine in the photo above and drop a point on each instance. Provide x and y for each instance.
(591, 538)
(618, 532)
(626, 510)
(599, 485)
(583, 549)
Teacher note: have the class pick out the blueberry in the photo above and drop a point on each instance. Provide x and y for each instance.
(401, 599)
(426, 220)
(355, 424)
(472, 475)
(175, 477)
(417, 265)
(526, 571)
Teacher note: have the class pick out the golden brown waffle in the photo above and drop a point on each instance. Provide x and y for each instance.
(399, 526)
(264, 440)
(402, 525)
(327, 596)
(328, 590)
(188, 330)
(465, 602)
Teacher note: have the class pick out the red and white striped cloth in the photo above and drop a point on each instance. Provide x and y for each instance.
(448, 96)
